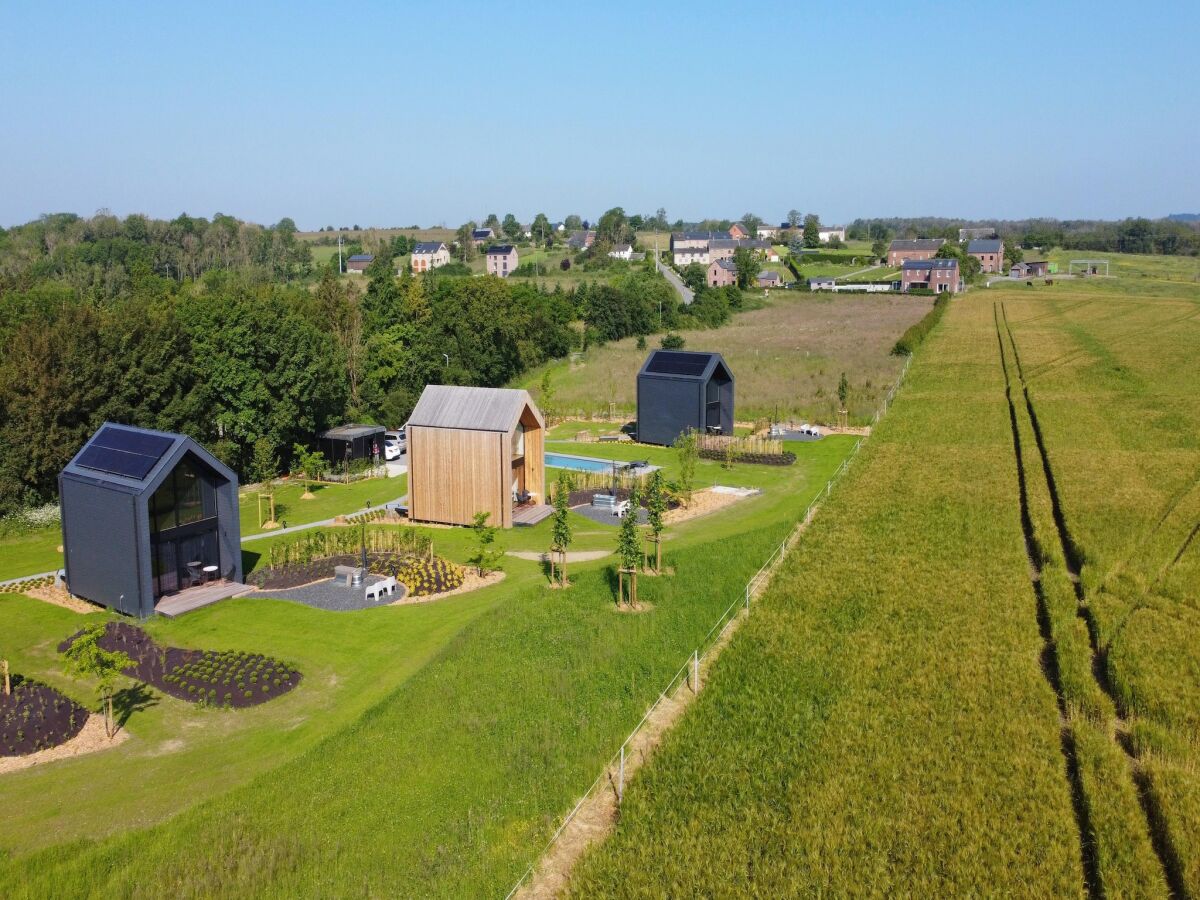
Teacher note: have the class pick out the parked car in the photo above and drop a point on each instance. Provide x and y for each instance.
(394, 444)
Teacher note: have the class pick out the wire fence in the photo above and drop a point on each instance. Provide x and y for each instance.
(688, 675)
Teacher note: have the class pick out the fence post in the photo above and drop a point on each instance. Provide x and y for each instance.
(696, 671)
(621, 777)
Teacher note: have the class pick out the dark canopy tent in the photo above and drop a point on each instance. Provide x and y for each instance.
(349, 442)
(143, 512)
(679, 390)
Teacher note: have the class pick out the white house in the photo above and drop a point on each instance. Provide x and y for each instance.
(766, 232)
(428, 255)
(833, 231)
(621, 251)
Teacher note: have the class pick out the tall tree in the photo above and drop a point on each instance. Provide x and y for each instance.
(656, 507)
(492, 221)
(572, 222)
(751, 222)
(629, 550)
(465, 242)
(688, 451)
(794, 218)
(812, 231)
(541, 229)
(512, 228)
(745, 262)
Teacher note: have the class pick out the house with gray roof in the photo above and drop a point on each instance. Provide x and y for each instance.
(429, 255)
(989, 252)
(900, 251)
(357, 264)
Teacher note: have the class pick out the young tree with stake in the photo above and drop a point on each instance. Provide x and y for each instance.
(687, 449)
(86, 658)
(560, 533)
(656, 506)
(487, 554)
(629, 549)
(311, 465)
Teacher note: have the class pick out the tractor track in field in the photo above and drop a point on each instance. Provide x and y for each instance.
(1159, 833)
(1048, 658)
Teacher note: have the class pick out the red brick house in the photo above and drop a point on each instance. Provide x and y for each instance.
(923, 248)
(357, 264)
(722, 273)
(989, 252)
(937, 275)
(737, 232)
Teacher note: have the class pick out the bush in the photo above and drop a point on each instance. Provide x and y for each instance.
(672, 341)
(912, 338)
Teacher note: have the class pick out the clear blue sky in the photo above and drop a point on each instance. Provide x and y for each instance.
(388, 113)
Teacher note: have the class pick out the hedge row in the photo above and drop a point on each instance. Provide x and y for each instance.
(911, 339)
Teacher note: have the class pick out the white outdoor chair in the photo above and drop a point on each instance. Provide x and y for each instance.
(386, 587)
(620, 509)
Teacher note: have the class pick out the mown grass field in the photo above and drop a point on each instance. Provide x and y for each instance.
(918, 708)
(429, 748)
(786, 356)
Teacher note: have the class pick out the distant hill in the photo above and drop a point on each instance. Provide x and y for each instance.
(1184, 217)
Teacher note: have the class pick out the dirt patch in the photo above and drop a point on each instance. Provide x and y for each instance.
(60, 597)
(90, 739)
(703, 503)
(215, 678)
(472, 581)
(572, 555)
(36, 717)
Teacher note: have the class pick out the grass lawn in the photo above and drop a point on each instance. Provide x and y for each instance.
(30, 553)
(329, 500)
(480, 717)
(786, 356)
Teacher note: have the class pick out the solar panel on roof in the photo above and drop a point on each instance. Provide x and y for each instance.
(120, 451)
(671, 362)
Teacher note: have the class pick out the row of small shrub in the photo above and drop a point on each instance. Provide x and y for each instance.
(29, 584)
(786, 458)
(912, 338)
(429, 576)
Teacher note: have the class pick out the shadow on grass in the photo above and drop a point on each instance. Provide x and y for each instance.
(132, 700)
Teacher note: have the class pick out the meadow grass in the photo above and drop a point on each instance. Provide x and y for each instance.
(882, 724)
(30, 552)
(443, 787)
(787, 357)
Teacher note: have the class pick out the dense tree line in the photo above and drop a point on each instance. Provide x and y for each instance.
(1162, 236)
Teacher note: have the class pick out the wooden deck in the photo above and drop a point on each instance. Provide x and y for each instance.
(195, 597)
(531, 515)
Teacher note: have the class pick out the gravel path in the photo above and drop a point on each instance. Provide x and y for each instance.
(334, 597)
(572, 555)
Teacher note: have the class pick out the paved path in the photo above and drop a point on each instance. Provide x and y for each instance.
(684, 292)
(572, 555)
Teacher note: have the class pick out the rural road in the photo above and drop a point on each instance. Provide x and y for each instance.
(684, 292)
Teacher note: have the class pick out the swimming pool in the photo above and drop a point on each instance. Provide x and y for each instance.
(580, 463)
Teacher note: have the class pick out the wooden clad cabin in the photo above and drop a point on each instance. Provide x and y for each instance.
(473, 450)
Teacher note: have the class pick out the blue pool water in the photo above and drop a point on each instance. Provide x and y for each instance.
(578, 463)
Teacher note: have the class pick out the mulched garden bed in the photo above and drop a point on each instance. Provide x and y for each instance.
(227, 678)
(418, 573)
(786, 458)
(36, 717)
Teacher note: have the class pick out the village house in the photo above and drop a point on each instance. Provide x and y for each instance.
(429, 255)
(722, 273)
(737, 232)
(937, 275)
(581, 240)
(501, 260)
(766, 232)
(768, 279)
(482, 235)
(622, 251)
(358, 263)
(901, 251)
(821, 283)
(827, 234)
(989, 252)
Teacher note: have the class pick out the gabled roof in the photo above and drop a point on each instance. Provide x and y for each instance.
(725, 263)
(361, 257)
(472, 408)
(350, 432)
(136, 460)
(985, 245)
(500, 250)
(428, 246)
(768, 276)
(481, 234)
(693, 365)
(930, 263)
(699, 235)
(918, 244)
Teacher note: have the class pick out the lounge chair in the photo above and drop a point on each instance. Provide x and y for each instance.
(387, 587)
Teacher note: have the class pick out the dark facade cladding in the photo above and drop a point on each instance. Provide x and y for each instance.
(142, 513)
(349, 442)
(682, 389)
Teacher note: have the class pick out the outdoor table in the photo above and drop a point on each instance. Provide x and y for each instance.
(209, 572)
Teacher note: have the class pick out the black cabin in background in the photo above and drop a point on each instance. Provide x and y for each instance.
(682, 389)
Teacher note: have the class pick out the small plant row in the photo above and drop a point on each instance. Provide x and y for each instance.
(29, 584)
(230, 678)
(36, 717)
(371, 515)
(424, 576)
(785, 458)
(226, 678)
(322, 544)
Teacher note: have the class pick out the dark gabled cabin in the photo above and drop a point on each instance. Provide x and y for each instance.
(679, 390)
